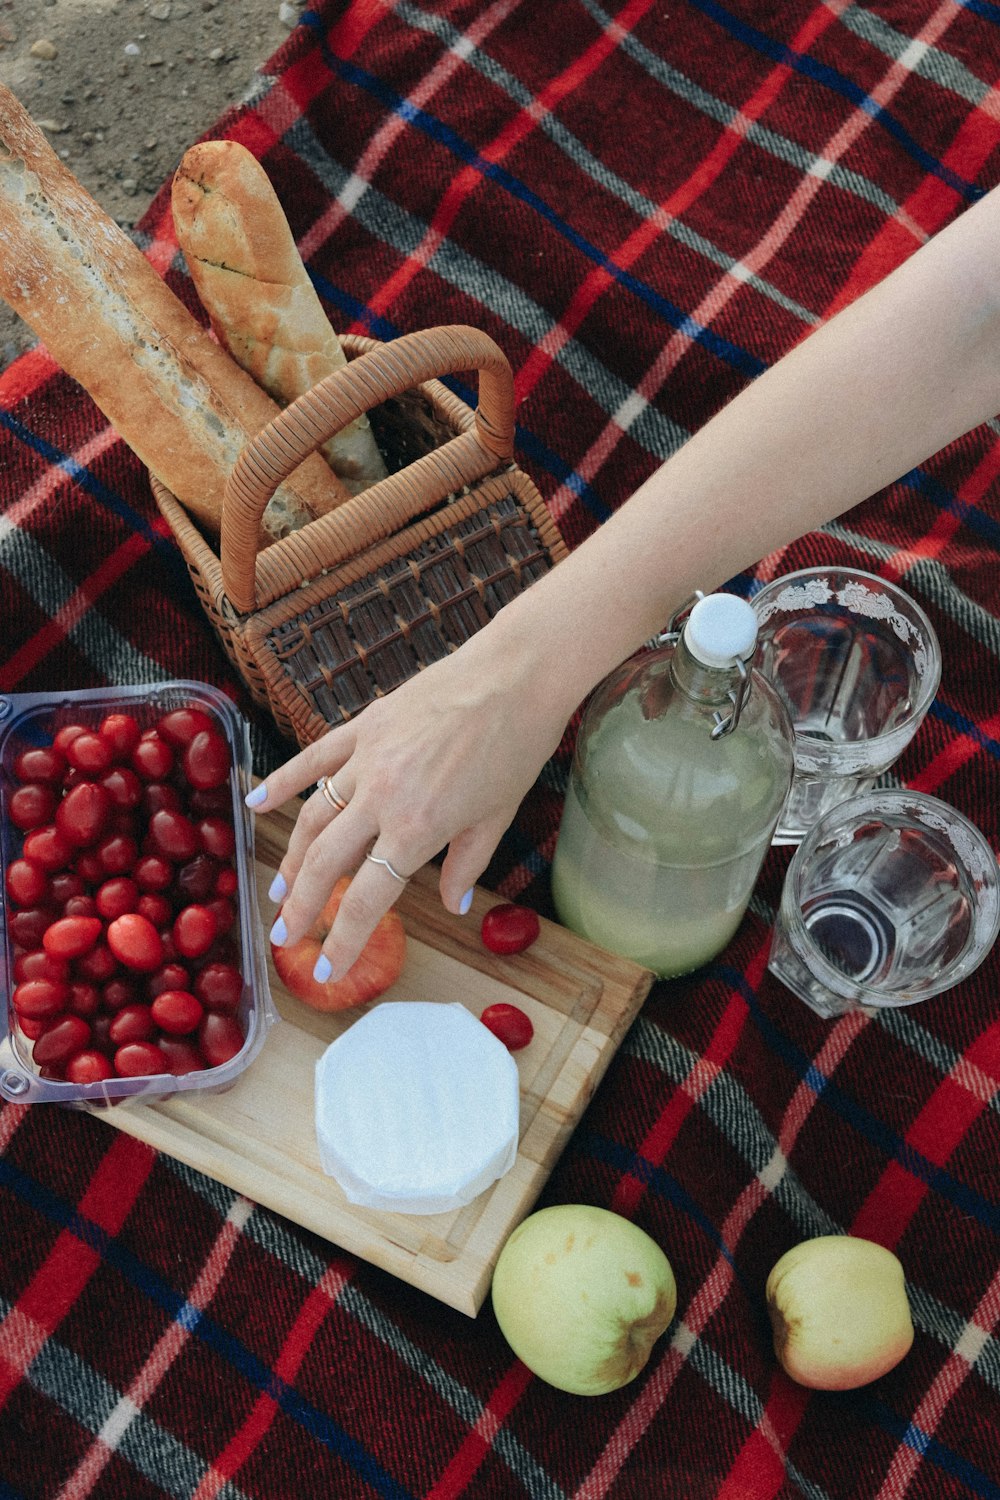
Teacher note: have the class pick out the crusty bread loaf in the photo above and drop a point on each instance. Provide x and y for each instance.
(178, 399)
(244, 262)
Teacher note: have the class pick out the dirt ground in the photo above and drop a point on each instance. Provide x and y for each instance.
(122, 88)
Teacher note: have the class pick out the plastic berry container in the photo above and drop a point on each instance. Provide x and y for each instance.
(154, 870)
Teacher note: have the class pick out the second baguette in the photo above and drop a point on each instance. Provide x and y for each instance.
(178, 399)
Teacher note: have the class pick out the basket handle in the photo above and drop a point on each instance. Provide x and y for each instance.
(252, 579)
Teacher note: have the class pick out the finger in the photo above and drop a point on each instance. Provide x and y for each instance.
(467, 858)
(315, 816)
(329, 856)
(371, 893)
(323, 757)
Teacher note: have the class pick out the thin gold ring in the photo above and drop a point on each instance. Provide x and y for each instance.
(377, 860)
(331, 794)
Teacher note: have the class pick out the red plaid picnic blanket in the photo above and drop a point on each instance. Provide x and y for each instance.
(645, 205)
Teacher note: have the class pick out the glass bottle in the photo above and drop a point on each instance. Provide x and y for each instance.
(681, 768)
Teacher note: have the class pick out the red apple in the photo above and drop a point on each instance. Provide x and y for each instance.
(378, 967)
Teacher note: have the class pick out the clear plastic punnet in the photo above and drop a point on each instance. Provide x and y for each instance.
(31, 721)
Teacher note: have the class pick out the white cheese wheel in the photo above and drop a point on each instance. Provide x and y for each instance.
(416, 1108)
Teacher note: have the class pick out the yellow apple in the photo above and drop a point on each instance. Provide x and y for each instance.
(581, 1295)
(839, 1312)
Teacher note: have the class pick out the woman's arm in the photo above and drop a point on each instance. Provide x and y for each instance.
(447, 757)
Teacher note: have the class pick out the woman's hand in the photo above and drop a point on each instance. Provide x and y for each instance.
(444, 760)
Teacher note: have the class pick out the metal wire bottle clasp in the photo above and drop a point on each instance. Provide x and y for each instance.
(722, 723)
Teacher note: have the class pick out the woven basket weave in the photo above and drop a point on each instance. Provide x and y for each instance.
(343, 610)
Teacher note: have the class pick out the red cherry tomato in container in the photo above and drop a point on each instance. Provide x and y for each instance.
(72, 937)
(219, 1037)
(135, 942)
(508, 1024)
(205, 760)
(177, 1012)
(139, 1060)
(509, 929)
(32, 806)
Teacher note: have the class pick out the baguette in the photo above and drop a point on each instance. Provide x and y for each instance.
(244, 262)
(175, 397)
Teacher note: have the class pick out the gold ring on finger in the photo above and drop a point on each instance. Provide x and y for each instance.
(331, 794)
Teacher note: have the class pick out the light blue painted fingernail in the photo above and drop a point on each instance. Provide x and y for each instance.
(278, 888)
(465, 903)
(279, 932)
(257, 796)
(323, 969)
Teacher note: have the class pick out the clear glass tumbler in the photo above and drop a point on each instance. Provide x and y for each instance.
(891, 898)
(857, 663)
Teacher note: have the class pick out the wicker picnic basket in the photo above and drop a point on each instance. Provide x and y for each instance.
(343, 610)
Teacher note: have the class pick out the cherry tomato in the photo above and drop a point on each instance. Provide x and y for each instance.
(118, 993)
(218, 837)
(72, 937)
(40, 965)
(133, 1023)
(60, 1040)
(41, 763)
(159, 795)
(48, 847)
(67, 883)
(508, 1024)
(88, 1066)
(88, 752)
(152, 758)
(224, 913)
(177, 1012)
(181, 1054)
(213, 801)
(509, 929)
(117, 853)
(116, 896)
(27, 926)
(120, 733)
(174, 835)
(227, 882)
(219, 986)
(122, 786)
(65, 737)
(80, 906)
(180, 726)
(194, 930)
(205, 761)
(196, 879)
(153, 873)
(32, 806)
(139, 1060)
(33, 1026)
(219, 1037)
(98, 965)
(40, 998)
(135, 942)
(84, 998)
(172, 976)
(155, 908)
(88, 866)
(83, 813)
(27, 884)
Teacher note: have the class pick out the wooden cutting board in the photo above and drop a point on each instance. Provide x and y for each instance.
(259, 1137)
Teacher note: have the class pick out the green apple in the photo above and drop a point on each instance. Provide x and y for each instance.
(581, 1296)
(839, 1312)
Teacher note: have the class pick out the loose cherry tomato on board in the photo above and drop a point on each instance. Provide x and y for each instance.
(135, 942)
(509, 929)
(72, 937)
(508, 1024)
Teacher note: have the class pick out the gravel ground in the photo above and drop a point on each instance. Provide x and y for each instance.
(122, 88)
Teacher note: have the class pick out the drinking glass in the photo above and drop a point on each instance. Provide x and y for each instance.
(857, 663)
(890, 898)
